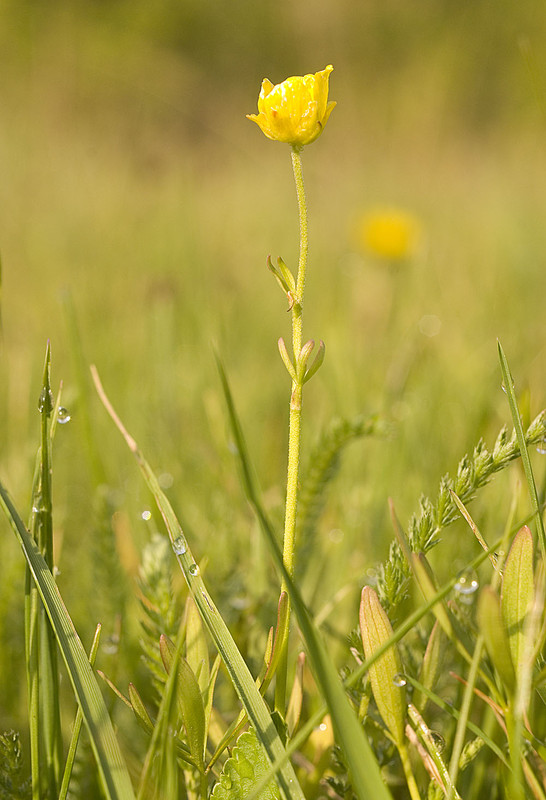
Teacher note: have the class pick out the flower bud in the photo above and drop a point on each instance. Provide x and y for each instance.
(296, 110)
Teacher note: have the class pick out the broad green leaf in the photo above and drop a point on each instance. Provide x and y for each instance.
(494, 633)
(517, 592)
(386, 673)
(243, 770)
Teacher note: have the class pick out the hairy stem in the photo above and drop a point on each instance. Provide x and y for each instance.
(294, 434)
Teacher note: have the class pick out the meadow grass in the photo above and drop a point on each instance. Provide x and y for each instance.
(133, 242)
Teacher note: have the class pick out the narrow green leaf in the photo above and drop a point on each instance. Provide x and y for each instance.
(517, 592)
(431, 666)
(428, 739)
(197, 654)
(190, 701)
(41, 653)
(69, 765)
(281, 632)
(105, 747)
(508, 383)
(296, 697)
(140, 710)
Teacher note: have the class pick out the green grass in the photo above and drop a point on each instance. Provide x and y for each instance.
(137, 209)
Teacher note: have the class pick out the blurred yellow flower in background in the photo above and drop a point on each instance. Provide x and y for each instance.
(389, 233)
(296, 110)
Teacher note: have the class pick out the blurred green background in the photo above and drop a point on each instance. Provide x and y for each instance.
(136, 198)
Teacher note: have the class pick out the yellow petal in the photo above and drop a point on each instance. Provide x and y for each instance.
(296, 110)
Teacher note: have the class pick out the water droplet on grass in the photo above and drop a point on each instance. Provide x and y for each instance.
(400, 680)
(179, 546)
(194, 569)
(38, 505)
(336, 535)
(467, 583)
(111, 644)
(146, 515)
(46, 402)
(165, 480)
(63, 415)
(541, 447)
(430, 325)
(438, 740)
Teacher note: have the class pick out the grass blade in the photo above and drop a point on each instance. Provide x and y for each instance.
(508, 383)
(41, 650)
(105, 747)
(77, 726)
(243, 682)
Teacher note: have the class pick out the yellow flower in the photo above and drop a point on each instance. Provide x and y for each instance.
(390, 233)
(296, 110)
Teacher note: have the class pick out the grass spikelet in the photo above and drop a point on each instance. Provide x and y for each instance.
(473, 472)
(159, 604)
(14, 785)
(323, 465)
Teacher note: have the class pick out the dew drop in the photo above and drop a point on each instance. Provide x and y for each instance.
(56, 572)
(437, 740)
(430, 325)
(146, 515)
(467, 583)
(111, 644)
(239, 602)
(194, 569)
(165, 480)
(38, 505)
(541, 447)
(179, 546)
(63, 415)
(503, 387)
(399, 680)
(371, 577)
(46, 402)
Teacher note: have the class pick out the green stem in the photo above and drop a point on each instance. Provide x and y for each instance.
(460, 732)
(294, 432)
(297, 325)
(408, 772)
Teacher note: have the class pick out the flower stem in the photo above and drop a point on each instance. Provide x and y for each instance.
(294, 432)
(294, 435)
